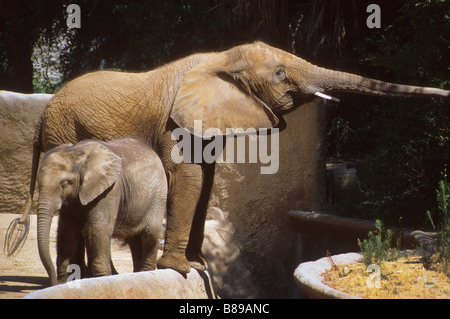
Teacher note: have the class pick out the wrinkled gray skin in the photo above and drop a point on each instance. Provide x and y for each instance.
(102, 190)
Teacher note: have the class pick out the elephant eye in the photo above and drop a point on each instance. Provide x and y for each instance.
(280, 73)
(66, 183)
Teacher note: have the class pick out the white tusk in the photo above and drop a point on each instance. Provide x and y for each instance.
(326, 97)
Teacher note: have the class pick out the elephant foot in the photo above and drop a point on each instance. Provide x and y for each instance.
(198, 266)
(179, 264)
(198, 262)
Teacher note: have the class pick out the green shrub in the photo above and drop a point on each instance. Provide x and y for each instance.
(443, 200)
(402, 144)
(375, 249)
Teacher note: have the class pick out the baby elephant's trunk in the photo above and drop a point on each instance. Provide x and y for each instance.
(45, 215)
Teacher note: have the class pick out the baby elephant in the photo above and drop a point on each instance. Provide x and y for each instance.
(102, 190)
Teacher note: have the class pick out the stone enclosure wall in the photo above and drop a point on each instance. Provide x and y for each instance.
(250, 244)
(19, 114)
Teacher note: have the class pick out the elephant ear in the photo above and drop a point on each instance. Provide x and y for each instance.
(99, 172)
(215, 93)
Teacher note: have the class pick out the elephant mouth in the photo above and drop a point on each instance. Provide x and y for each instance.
(286, 102)
(286, 106)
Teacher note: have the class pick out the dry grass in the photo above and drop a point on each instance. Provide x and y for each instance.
(405, 278)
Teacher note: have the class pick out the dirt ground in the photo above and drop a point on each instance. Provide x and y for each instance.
(24, 273)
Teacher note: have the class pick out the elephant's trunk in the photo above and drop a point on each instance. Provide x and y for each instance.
(329, 80)
(44, 218)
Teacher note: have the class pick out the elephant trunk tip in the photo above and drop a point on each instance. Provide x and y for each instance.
(417, 90)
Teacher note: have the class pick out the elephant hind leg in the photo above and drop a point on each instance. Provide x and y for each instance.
(135, 244)
(144, 250)
(149, 252)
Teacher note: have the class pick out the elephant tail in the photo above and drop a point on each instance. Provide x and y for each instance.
(37, 148)
(18, 230)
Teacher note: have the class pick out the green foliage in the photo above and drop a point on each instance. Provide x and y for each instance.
(443, 200)
(375, 249)
(402, 144)
(137, 35)
(47, 87)
(22, 23)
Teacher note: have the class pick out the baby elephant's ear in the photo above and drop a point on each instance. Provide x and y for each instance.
(100, 171)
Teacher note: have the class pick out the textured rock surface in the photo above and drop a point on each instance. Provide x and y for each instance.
(309, 277)
(19, 114)
(158, 284)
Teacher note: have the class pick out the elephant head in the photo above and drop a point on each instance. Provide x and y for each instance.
(247, 85)
(71, 174)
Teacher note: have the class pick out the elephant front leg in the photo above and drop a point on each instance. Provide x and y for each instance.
(70, 248)
(194, 248)
(99, 254)
(185, 184)
(97, 235)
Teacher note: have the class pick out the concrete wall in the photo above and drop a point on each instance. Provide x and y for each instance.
(19, 114)
(252, 248)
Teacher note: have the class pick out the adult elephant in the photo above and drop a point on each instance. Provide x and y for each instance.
(243, 87)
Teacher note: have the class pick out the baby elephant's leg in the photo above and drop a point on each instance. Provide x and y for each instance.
(99, 253)
(97, 234)
(135, 244)
(150, 239)
(149, 251)
(70, 247)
